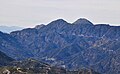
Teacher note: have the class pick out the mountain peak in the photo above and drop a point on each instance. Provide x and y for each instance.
(39, 26)
(59, 21)
(83, 21)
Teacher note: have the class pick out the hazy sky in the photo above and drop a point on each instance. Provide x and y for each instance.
(28, 13)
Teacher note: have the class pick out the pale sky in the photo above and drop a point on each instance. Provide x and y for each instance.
(28, 13)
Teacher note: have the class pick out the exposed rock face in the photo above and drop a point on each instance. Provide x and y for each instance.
(77, 45)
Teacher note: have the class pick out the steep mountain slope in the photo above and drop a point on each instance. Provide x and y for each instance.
(78, 45)
(4, 59)
(11, 47)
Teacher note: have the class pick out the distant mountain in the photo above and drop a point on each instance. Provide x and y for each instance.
(4, 59)
(7, 29)
(71, 45)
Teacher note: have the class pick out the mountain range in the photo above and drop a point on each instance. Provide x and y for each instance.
(7, 29)
(81, 44)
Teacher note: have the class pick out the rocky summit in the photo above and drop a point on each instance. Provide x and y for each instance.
(77, 45)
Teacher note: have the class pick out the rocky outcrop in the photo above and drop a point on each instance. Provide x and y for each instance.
(32, 66)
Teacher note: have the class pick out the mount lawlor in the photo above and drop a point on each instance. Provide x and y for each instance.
(70, 45)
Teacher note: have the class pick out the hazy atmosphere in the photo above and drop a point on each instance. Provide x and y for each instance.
(28, 13)
(59, 36)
